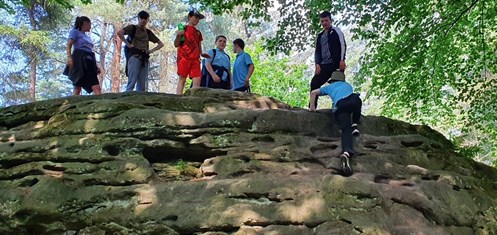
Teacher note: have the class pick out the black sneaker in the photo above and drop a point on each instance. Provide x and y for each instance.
(346, 169)
(355, 131)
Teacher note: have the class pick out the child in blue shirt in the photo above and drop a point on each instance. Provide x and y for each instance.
(347, 111)
(218, 66)
(243, 68)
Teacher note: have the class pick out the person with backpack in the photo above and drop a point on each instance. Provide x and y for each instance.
(347, 111)
(243, 68)
(137, 51)
(329, 54)
(189, 43)
(81, 66)
(217, 72)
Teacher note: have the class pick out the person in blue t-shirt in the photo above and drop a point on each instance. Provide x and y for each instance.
(243, 68)
(347, 110)
(218, 66)
(82, 67)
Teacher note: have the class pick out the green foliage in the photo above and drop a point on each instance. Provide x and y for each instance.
(27, 39)
(181, 165)
(293, 16)
(435, 64)
(277, 77)
(186, 169)
(9, 5)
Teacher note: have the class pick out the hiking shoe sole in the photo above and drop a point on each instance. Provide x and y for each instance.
(355, 132)
(346, 169)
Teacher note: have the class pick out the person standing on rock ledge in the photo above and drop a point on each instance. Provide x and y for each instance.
(329, 54)
(243, 68)
(189, 43)
(81, 66)
(137, 45)
(347, 110)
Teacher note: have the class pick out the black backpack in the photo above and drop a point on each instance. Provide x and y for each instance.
(127, 50)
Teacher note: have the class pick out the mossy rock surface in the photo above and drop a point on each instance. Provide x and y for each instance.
(222, 162)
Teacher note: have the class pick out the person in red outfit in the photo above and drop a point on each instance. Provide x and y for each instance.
(189, 44)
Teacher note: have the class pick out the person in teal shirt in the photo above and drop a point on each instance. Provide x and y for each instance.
(243, 68)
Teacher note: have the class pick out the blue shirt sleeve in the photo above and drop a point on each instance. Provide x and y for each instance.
(73, 34)
(248, 59)
(326, 90)
(211, 53)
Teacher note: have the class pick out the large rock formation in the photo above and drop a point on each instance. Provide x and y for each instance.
(217, 162)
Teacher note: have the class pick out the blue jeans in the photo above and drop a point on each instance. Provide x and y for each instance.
(137, 74)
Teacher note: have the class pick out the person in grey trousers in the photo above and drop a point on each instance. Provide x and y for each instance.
(137, 44)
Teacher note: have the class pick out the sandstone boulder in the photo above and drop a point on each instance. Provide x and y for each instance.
(221, 162)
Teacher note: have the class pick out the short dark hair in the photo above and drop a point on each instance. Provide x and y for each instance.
(325, 14)
(239, 42)
(195, 13)
(143, 15)
(78, 23)
(221, 36)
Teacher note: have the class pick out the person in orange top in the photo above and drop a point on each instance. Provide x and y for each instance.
(189, 44)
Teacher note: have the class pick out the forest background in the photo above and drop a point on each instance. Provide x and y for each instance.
(429, 62)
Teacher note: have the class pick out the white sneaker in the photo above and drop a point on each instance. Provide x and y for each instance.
(344, 159)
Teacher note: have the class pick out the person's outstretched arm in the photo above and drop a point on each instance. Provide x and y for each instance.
(312, 99)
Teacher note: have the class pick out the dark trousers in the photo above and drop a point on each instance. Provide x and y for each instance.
(243, 89)
(319, 79)
(218, 85)
(348, 112)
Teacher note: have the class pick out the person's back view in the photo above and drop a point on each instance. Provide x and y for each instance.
(138, 53)
(347, 111)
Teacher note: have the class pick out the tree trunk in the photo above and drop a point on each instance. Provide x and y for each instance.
(103, 53)
(32, 56)
(246, 29)
(116, 62)
(32, 78)
(164, 72)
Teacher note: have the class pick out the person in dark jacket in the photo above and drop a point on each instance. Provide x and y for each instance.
(329, 54)
(82, 66)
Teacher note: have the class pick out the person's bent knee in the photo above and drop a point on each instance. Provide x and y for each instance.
(77, 90)
(97, 90)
